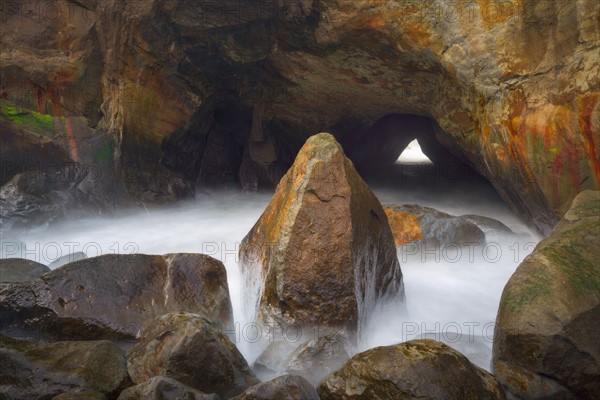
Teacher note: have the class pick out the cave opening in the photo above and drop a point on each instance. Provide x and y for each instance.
(409, 150)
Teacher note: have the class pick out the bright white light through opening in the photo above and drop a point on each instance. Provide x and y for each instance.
(413, 155)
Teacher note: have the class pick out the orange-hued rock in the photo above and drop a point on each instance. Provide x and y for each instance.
(413, 223)
(405, 226)
(322, 254)
(512, 84)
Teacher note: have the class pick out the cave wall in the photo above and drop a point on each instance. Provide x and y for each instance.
(513, 84)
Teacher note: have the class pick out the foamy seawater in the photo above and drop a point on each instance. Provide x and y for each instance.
(451, 295)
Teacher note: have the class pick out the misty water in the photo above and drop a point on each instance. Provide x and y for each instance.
(451, 295)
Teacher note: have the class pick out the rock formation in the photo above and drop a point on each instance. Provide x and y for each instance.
(412, 223)
(546, 343)
(412, 370)
(40, 370)
(322, 253)
(190, 349)
(512, 86)
(114, 296)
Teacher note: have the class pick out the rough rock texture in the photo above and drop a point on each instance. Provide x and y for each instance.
(34, 370)
(412, 370)
(113, 296)
(546, 342)
(164, 388)
(285, 387)
(20, 270)
(190, 349)
(322, 253)
(412, 223)
(513, 85)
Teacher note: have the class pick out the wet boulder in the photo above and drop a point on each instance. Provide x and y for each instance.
(114, 296)
(30, 370)
(164, 388)
(190, 349)
(20, 270)
(322, 253)
(413, 223)
(285, 387)
(546, 343)
(418, 369)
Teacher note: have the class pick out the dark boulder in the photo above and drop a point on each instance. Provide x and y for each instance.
(31, 370)
(114, 296)
(419, 369)
(190, 349)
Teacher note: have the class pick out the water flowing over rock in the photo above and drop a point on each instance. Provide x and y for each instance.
(413, 370)
(114, 296)
(164, 388)
(322, 254)
(190, 349)
(285, 387)
(40, 370)
(318, 358)
(20, 270)
(547, 341)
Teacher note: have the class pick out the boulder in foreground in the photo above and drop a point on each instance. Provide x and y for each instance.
(38, 371)
(547, 343)
(190, 349)
(418, 369)
(114, 296)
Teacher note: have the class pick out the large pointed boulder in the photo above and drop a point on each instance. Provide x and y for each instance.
(322, 254)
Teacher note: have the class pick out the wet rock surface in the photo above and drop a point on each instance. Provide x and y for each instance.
(42, 370)
(411, 370)
(114, 296)
(322, 254)
(546, 340)
(190, 349)
(413, 223)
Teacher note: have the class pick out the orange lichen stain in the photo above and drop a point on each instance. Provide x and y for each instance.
(405, 226)
(494, 12)
(586, 107)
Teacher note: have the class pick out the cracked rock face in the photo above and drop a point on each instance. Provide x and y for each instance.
(322, 253)
(114, 296)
